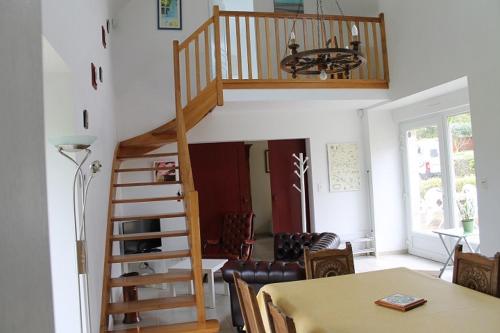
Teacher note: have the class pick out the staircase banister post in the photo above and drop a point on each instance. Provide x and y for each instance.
(218, 55)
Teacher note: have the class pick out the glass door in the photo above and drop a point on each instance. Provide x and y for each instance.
(439, 174)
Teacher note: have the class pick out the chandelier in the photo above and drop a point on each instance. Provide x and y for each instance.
(327, 61)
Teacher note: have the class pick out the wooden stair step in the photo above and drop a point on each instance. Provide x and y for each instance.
(147, 217)
(144, 169)
(150, 256)
(144, 280)
(127, 201)
(149, 235)
(147, 184)
(129, 157)
(152, 304)
(210, 326)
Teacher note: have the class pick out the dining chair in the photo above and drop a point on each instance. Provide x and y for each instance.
(477, 272)
(248, 304)
(327, 263)
(278, 321)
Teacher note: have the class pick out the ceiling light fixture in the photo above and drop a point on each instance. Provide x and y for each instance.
(328, 61)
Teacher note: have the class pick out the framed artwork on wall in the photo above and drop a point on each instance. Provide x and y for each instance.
(289, 6)
(161, 176)
(343, 167)
(169, 14)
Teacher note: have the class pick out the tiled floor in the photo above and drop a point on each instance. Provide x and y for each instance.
(263, 250)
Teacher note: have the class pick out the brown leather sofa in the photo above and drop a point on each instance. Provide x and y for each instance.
(288, 265)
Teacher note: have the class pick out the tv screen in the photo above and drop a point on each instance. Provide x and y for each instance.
(143, 245)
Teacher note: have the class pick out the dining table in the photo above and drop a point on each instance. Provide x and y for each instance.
(345, 304)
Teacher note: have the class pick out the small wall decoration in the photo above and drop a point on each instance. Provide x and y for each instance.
(103, 36)
(101, 78)
(266, 160)
(289, 6)
(169, 14)
(108, 26)
(93, 75)
(343, 167)
(161, 176)
(85, 119)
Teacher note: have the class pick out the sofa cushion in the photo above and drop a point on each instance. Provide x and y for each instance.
(290, 246)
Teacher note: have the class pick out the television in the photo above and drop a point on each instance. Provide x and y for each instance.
(143, 245)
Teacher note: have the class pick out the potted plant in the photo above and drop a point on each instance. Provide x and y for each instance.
(467, 212)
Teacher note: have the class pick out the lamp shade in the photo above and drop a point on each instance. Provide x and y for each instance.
(74, 143)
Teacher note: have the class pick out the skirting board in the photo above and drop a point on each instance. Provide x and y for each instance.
(388, 253)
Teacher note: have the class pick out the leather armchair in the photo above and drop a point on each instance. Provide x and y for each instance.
(236, 241)
(288, 265)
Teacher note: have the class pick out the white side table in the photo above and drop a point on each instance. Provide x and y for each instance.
(209, 267)
(460, 235)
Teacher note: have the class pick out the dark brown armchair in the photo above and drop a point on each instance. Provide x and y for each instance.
(237, 238)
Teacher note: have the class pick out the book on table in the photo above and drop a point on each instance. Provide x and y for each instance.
(401, 302)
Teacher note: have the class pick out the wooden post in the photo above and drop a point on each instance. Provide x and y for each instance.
(384, 47)
(193, 224)
(218, 57)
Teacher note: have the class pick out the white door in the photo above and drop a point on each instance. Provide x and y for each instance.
(439, 170)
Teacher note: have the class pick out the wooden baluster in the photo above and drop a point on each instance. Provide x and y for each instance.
(287, 36)
(228, 47)
(238, 47)
(384, 47)
(341, 33)
(304, 30)
(197, 58)
(268, 50)
(361, 69)
(332, 32)
(259, 48)
(278, 46)
(349, 38)
(218, 57)
(376, 51)
(249, 47)
(368, 51)
(208, 76)
(188, 73)
(314, 34)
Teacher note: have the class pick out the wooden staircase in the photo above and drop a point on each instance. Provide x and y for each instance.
(199, 80)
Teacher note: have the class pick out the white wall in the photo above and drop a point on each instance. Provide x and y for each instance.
(73, 28)
(433, 42)
(25, 292)
(260, 185)
(58, 99)
(386, 181)
(346, 213)
(350, 8)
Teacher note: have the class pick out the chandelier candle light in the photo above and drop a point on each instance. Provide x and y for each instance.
(328, 61)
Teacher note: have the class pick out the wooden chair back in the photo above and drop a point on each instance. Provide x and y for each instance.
(278, 321)
(248, 304)
(326, 263)
(477, 272)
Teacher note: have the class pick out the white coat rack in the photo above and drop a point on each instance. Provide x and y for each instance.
(302, 167)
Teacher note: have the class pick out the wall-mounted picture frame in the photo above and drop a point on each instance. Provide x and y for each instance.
(289, 6)
(343, 167)
(169, 14)
(161, 176)
(266, 161)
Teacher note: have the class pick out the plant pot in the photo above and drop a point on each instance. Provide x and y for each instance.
(468, 226)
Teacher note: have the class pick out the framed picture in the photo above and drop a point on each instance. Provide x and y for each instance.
(289, 6)
(343, 167)
(161, 176)
(169, 14)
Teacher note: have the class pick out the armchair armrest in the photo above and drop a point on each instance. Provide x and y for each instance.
(211, 242)
(247, 243)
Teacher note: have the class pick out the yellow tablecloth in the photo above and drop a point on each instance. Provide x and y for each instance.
(344, 304)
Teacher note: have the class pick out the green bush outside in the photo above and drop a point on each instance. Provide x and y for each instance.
(427, 184)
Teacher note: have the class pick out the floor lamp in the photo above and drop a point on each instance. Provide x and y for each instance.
(77, 145)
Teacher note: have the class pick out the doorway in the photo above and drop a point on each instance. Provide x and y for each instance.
(440, 177)
(253, 176)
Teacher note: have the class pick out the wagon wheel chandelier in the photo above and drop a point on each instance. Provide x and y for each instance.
(326, 61)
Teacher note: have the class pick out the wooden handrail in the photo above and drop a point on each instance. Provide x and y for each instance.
(298, 16)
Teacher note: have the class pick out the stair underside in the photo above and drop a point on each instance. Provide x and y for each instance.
(147, 217)
(147, 184)
(152, 304)
(210, 326)
(150, 256)
(149, 235)
(144, 280)
(142, 200)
